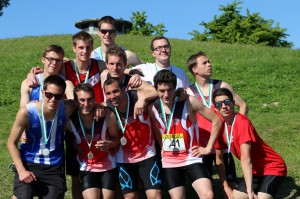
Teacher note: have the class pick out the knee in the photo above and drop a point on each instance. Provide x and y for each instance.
(239, 194)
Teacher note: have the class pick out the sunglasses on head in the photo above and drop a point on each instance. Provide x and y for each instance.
(226, 102)
(51, 95)
(109, 31)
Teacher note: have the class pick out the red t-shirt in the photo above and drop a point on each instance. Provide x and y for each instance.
(265, 161)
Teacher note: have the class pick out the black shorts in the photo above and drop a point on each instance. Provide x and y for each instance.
(148, 171)
(102, 180)
(265, 184)
(51, 182)
(175, 177)
(72, 164)
(228, 164)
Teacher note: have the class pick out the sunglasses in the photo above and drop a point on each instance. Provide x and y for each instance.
(226, 102)
(51, 95)
(109, 31)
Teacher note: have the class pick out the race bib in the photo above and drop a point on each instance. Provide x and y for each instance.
(173, 142)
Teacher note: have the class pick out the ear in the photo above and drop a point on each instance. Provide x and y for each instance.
(74, 49)
(153, 54)
(43, 60)
(194, 69)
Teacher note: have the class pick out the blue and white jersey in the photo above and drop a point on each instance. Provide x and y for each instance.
(35, 93)
(32, 151)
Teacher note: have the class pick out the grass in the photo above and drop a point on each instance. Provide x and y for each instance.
(267, 78)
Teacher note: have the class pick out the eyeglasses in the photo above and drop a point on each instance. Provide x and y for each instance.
(226, 102)
(160, 48)
(51, 95)
(109, 31)
(51, 60)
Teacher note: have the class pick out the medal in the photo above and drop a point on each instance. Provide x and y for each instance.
(90, 155)
(45, 152)
(123, 140)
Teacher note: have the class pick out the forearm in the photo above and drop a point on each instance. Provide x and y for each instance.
(16, 157)
(216, 125)
(246, 165)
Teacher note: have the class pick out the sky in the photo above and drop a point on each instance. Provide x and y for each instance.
(36, 17)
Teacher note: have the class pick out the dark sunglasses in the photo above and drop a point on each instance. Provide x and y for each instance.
(226, 102)
(51, 95)
(109, 31)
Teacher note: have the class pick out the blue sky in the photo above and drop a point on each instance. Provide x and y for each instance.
(36, 17)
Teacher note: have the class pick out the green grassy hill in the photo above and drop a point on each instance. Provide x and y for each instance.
(267, 78)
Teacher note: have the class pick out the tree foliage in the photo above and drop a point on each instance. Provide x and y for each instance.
(232, 27)
(3, 4)
(140, 26)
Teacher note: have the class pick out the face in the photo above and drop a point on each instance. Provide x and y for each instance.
(52, 62)
(166, 92)
(114, 94)
(52, 96)
(225, 110)
(203, 67)
(85, 101)
(116, 66)
(106, 34)
(82, 50)
(162, 51)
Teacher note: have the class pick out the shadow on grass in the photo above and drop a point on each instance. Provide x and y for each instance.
(289, 189)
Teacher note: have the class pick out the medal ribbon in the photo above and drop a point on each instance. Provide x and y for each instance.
(126, 118)
(206, 103)
(101, 55)
(229, 137)
(84, 133)
(43, 126)
(86, 75)
(167, 123)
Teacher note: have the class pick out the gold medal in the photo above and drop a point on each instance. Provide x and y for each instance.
(45, 152)
(90, 155)
(123, 140)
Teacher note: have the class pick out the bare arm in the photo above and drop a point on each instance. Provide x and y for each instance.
(222, 173)
(144, 96)
(154, 126)
(25, 94)
(246, 165)
(20, 124)
(132, 59)
(243, 108)
(69, 90)
(198, 107)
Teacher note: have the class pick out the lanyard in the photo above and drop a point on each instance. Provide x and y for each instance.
(126, 118)
(206, 103)
(229, 137)
(167, 123)
(101, 55)
(84, 133)
(86, 75)
(43, 127)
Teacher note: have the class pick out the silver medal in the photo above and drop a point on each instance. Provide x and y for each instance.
(123, 140)
(45, 152)
(90, 155)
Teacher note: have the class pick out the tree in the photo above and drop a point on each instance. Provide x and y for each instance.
(3, 4)
(140, 26)
(232, 27)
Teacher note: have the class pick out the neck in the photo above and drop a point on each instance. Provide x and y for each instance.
(105, 48)
(48, 114)
(169, 106)
(87, 119)
(83, 66)
(162, 65)
(229, 119)
(123, 106)
(202, 81)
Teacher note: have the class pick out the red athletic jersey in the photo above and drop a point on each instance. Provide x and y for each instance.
(265, 161)
(102, 160)
(138, 133)
(204, 125)
(181, 128)
(94, 77)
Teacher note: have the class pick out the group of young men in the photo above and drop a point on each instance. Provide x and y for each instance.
(155, 129)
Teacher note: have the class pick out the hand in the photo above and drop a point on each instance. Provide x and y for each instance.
(99, 111)
(24, 139)
(31, 80)
(26, 176)
(198, 151)
(102, 145)
(135, 81)
(136, 71)
(181, 94)
(139, 107)
(229, 192)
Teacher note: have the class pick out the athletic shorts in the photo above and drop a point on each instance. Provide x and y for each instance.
(265, 184)
(50, 182)
(72, 164)
(148, 171)
(228, 164)
(102, 180)
(175, 177)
